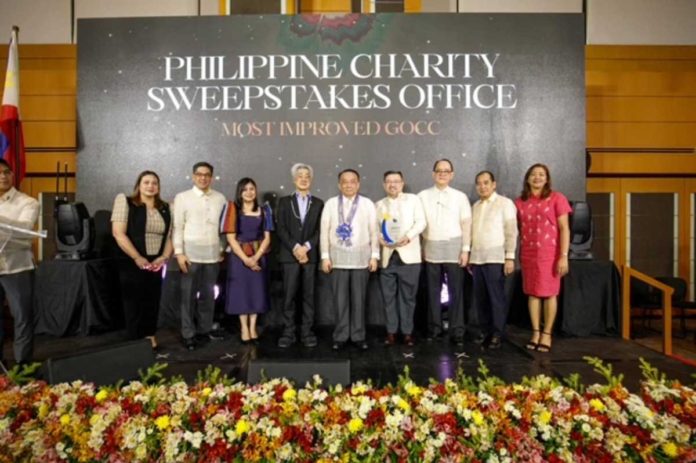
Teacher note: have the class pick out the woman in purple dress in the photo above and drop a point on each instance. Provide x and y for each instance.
(248, 228)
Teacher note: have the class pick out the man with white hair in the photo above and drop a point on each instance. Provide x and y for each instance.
(298, 217)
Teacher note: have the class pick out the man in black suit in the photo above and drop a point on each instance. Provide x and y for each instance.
(298, 218)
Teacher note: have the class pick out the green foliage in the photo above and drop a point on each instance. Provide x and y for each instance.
(153, 376)
(486, 381)
(574, 381)
(606, 371)
(650, 373)
(24, 373)
(213, 376)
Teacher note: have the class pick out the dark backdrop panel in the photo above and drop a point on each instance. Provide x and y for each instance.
(539, 65)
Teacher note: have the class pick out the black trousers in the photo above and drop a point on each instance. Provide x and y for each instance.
(298, 279)
(140, 293)
(489, 290)
(18, 287)
(455, 286)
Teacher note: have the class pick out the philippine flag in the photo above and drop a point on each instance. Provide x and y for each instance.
(11, 138)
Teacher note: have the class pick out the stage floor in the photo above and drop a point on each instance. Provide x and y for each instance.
(437, 359)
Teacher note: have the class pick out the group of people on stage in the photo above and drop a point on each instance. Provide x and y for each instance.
(347, 237)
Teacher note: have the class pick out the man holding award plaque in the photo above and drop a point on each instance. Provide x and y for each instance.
(349, 242)
(17, 263)
(401, 220)
(446, 240)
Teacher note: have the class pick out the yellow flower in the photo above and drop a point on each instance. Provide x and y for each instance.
(402, 404)
(65, 419)
(358, 389)
(162, 422)
(289, 395)
(477, 417)
(101, 395)
(205, 392)
(355, 425)
(242, 427)
(598, 405)
(43, 411)
(545, 417)
(413, 390)
(95, 419)
(670, 449)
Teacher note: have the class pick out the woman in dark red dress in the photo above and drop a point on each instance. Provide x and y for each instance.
(542, 216)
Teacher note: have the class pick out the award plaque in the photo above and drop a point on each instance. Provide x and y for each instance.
(391, 230)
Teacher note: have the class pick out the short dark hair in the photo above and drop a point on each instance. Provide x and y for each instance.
(202, 164)
(443, 160)
(484, 172)
(352, 171)
(6, 164)
(392, 172)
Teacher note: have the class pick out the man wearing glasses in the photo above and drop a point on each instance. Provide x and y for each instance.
(402, 220)
(17, 263)
(446, 241)
(198, 247)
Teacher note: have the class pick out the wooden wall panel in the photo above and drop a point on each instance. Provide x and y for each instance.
(50, 134)
(48, 107)
(619, 164)
(45, 162)
(640, 109)
(641, 134)
(325, 6)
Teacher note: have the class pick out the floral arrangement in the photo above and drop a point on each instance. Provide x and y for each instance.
(463, 419)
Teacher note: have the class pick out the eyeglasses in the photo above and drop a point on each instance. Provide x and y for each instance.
(442, 171)
(6, 172)
(203, 175)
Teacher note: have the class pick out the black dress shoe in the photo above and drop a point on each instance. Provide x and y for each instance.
(434, 336)
(494, 343)
(458, 340)
(190, 343)
(310, 341)
(338, 345)
(408, 340)
(285, 341)
(362, 345)
(482, 339)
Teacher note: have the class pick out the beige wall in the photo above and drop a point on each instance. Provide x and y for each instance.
(622, 22)
(641, 22)
(39, 21)
(48, 21)
(520, 6)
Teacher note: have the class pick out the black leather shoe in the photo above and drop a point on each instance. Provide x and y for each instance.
(481, 339)
(285, 341)
(338, 345)
(190, 343)
(310, 341)
(434, 336)
(362, 345)
(495, 342)
(458, 340)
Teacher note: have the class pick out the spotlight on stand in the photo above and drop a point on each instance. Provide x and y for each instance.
(74, 232)
(581, 231)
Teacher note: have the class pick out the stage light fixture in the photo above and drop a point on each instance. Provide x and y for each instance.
(74, 232)
(581, 231)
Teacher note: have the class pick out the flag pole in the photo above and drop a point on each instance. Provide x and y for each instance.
(17, 160)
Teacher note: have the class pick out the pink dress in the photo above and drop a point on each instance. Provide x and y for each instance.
(539, 243)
